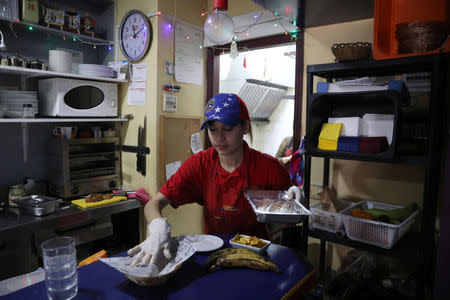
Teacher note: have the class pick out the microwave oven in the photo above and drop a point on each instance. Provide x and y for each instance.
(65, 97)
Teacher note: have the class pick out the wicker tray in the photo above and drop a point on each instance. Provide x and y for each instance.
(420, 36)
(352, 51)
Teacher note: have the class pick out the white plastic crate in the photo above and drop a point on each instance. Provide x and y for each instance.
(372, 232)
(326, 220)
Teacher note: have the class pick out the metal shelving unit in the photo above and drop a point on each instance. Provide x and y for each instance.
(419, 246)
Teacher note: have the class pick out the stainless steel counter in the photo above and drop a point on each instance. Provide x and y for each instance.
(113, 227)
(13, 219)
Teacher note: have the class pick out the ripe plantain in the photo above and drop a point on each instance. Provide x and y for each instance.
(244, 260)
(212, 259)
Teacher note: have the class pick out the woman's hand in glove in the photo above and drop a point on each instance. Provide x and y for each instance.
(158, 239)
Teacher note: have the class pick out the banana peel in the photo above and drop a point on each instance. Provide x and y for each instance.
(239, 258)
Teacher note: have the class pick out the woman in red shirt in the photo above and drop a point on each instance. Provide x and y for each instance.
(215, 178)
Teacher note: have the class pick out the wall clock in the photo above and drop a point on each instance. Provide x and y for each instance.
(135, 35)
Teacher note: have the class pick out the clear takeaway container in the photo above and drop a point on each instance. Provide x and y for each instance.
(273, 206)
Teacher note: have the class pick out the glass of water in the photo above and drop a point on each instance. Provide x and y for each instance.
(60, 265)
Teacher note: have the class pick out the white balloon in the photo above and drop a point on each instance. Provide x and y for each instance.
(219, 27)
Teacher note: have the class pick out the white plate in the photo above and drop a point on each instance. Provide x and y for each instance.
(204, 242)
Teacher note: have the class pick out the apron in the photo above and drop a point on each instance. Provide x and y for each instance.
(227, 211)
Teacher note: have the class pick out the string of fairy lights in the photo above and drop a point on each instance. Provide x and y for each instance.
(68, 36)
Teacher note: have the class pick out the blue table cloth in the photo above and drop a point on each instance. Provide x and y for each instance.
(193, 281)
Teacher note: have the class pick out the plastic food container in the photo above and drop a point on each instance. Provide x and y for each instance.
(384, 235)
(38, 205)
(326, 220)
(260, 250)
(272, 206)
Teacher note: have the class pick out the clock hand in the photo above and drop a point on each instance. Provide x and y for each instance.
(135, 34)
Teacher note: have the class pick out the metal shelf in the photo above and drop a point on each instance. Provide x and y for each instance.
(44, 74)
(423, 63)
(62, 120)
(405, 247)
(398, 159)
(421, 245)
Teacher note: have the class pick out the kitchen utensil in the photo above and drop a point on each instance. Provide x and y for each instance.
(37, 205)
(83, 204)
(140, 156)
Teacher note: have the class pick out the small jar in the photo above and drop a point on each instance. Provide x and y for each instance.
(27, 111)
(15, 192)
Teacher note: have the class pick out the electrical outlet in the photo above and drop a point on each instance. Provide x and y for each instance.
(170, 103)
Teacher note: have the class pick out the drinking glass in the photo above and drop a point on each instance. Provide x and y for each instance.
(60, 265)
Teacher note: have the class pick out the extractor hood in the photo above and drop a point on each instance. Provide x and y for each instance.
(261, 98)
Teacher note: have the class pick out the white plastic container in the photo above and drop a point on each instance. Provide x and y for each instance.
(351, 126)
(326, 220)
(260, 250)
(376, 233)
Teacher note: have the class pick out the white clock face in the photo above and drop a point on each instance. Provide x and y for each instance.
(135, 34)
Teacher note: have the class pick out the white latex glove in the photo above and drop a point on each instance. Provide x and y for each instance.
(286, 159)
(158, 239)
(294, 192)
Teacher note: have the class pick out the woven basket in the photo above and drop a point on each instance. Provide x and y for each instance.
(153, 281)
(352, 51)
(420, 36)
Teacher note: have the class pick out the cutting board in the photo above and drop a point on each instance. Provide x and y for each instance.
(83, 204)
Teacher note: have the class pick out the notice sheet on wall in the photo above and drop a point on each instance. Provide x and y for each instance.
(171, 168)
(137, 89)
(188, 54)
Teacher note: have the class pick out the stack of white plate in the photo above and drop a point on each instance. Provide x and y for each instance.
(60, 61)
(15, 100)
(95, 70)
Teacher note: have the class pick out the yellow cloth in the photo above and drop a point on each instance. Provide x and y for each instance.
(82, 203)
(329, 136)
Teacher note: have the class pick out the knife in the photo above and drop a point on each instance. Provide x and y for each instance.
(139, 151)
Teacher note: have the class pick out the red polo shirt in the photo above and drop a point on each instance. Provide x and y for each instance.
(201, 179)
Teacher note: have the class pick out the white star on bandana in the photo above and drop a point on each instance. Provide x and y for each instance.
(225, 104)
(217, 110)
